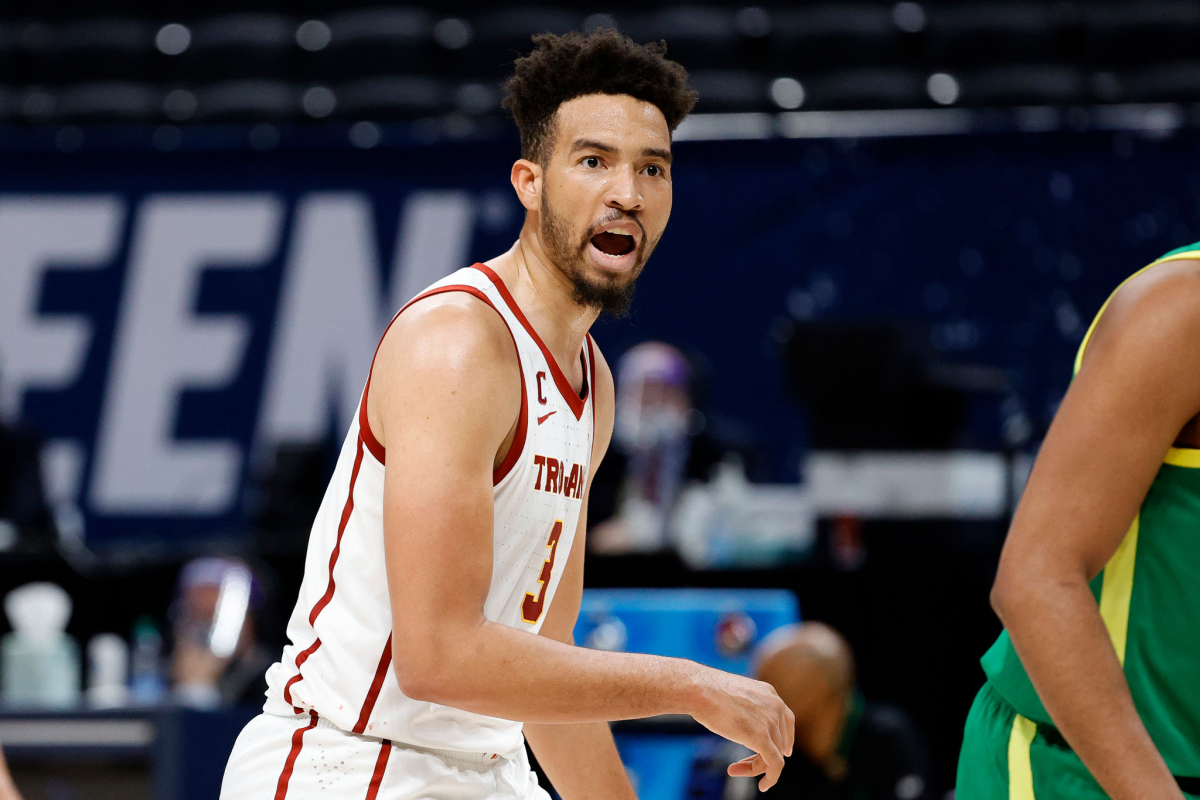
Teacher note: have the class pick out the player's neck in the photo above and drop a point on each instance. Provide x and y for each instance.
(546, 297)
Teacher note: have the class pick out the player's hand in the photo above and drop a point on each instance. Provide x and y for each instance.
(750, 713)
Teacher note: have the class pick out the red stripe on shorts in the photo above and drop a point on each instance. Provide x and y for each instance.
(297, 742)
(385, 750)
(381, 671)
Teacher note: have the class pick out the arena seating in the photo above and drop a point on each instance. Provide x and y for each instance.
(66, 61)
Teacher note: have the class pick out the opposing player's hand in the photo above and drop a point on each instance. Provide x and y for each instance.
(750, 713)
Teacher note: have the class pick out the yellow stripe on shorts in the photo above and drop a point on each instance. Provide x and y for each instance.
(1183, 457)
(1020, 771)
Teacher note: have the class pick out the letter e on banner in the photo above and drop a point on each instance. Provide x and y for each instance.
(162, 347)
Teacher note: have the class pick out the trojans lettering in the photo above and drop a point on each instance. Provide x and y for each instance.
(555, 477)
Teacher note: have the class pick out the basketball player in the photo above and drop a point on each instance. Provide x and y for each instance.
(445, 567)
(1093, 690)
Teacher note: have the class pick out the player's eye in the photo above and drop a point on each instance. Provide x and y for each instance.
(654, 170)
(591, 162)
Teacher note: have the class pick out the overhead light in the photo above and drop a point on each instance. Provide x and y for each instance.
(753, 22)
(180, 104)
(319, 102)
(172, 39)
(943, 88)
(365, 135)
(788, 93)
(909, 17)
(313, 35)
(453, 33)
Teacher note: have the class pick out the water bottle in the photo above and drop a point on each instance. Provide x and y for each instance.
(108, 671)
(146, 681)
(40, 660)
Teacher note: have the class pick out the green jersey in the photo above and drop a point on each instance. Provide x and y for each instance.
(1149, 599)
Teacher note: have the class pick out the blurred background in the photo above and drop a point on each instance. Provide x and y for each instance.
(892, 225)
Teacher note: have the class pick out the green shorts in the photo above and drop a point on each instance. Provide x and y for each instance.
(1008, 757)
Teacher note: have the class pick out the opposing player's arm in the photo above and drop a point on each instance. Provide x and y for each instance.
(443, 401)
(581, 760)
(1138, 386)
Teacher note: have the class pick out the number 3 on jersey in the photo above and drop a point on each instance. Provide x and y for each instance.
(531, 609)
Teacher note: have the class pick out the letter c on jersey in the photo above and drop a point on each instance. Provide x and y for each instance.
(541, 376)
(531, 609)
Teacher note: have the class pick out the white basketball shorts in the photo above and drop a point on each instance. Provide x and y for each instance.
(306, 758)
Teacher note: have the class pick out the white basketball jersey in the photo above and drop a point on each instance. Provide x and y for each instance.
(339, 660)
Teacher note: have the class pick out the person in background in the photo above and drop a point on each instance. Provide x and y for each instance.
(205, 675)
(8, 789)
(661, 440)
(848, 746)
(23, 509)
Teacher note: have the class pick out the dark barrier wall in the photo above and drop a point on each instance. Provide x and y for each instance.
(165, 318)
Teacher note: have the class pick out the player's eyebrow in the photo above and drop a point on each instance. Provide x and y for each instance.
(658, 152)
(592, 144)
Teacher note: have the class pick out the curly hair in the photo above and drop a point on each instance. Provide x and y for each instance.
(561, 68)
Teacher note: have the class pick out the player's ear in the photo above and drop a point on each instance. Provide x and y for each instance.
(526, 179)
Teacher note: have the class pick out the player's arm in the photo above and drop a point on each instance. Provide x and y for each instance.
(1138, 387)
(581, 760)
(8, 789)
(445, 398)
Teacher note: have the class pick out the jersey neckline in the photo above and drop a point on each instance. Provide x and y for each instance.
(575, 401)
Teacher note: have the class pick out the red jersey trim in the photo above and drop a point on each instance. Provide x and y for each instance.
(381, 672)
(518, 443)
(300, 659)
(347, 510)
(591, 351)
(330, 587)
(574, 400)
(285, 777)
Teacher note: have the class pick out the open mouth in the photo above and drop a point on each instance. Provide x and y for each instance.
(614, 243)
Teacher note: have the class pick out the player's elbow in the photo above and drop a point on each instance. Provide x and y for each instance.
(1007, 590)
(420, 680)
(1027, 583)
(999, 597)
(418, 684)
(425, 669)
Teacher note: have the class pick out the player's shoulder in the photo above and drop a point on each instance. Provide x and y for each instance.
(1163, 291)
(1178, 275)
(446, 345)
(1158, 307)
(453, 327)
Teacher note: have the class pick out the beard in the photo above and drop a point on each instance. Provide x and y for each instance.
(591, 288)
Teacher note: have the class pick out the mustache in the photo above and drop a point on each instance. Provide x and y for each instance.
(614, 215)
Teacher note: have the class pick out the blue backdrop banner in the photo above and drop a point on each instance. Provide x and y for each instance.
(166, 319)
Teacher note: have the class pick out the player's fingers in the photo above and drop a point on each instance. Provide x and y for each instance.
(773, 760)
(778, 734)
(768, 780)
(789, 730)
(747, 767)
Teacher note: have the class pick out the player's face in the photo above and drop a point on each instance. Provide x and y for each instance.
(606, 195)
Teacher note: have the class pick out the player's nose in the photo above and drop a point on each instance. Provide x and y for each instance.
(622, 191)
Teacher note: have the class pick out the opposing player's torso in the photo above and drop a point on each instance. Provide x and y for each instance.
(1149, 599)
(338, 662)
